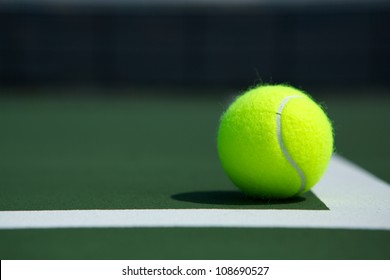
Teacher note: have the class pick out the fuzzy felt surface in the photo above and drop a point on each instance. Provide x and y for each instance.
(248, 144)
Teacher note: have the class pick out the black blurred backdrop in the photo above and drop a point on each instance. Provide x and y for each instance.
(194, 45)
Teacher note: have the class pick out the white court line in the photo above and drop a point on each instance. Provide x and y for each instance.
(356, 199)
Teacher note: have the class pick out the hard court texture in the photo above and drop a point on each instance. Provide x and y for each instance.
(136, 153)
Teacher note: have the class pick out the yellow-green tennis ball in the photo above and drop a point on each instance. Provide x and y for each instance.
(274, 142)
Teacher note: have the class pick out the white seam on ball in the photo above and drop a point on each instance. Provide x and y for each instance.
(281, 144)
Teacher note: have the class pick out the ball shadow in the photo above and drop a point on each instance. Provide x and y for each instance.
(230, 198)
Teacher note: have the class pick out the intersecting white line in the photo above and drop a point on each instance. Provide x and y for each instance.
(356, 199)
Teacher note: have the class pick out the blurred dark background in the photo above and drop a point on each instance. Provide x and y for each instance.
(337, 50)
(194, 43)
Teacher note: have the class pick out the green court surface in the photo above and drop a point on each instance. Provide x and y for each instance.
(159, 152)
(198, 243)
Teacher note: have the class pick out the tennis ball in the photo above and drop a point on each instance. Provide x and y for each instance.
(274, 142)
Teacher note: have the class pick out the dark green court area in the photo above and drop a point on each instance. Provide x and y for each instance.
(159, 152)
(194, 243)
